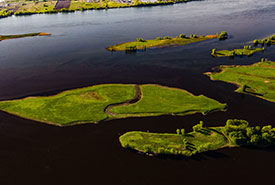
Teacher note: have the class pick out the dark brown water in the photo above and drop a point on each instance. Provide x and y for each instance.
(36, 153)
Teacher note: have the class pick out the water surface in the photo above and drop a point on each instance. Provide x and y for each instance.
(75, 56)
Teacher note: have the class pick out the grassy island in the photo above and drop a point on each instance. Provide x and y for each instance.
(166, 41)
(160, 100)
(235, 133)
(109, 101)
(7, 37)
(23, 7)
(246, 51)
(257, 79)
(268, 41)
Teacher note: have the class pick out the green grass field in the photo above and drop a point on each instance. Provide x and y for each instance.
(177, 144)
(71, 107)
(237, 52)
(159, 100)
(235, 133)
(257, 79)
(90, 104)
(171, 41)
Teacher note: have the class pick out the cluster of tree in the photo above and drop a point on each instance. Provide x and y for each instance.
(247, 47)
(267, 41)
(5, 14)
(241, 133)
(180, 131)
(198, 127)
(193, 36)
(131, 49)
(182, 36)
(223, 35)
(140, 39)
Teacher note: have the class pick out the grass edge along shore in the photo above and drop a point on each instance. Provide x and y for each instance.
(235, 133)
(78, 6)
(90, 104)
(256, 79)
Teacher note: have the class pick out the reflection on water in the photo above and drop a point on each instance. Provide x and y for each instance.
(75, 56)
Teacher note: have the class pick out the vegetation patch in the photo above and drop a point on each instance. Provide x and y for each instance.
(234, 134)
(7, 37)
(71, 107)
(268, 41)
(246, 51)
(109, 101)
(23, 7)
(257, 79)
(182, 39)
(159, 100)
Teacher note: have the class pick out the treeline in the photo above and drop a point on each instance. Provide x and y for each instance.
(240, 133)
(267, 41)
(92, 7)
(5, 14)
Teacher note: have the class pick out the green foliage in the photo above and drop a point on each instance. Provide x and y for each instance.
(182, 36)
(236, 125)
(198, 127)
(223, 35)
(237, 133)
(182, 131)
(178, 131)
(167, 37)
(140, 40)
(213, 51)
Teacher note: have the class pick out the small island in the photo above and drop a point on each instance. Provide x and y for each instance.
(246, 51)
(268, 41)
(257, 79)
(235, 133)
(8, 37)
(110, 101)
(141, 45)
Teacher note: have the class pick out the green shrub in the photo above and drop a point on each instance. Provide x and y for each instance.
(140, 40)
(182, 36)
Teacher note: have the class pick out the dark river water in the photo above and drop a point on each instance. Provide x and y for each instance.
(75, 56)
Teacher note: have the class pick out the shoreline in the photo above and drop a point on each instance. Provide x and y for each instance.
(6, 14)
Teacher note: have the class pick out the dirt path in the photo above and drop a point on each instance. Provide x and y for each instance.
(134, 100)
(62, 4)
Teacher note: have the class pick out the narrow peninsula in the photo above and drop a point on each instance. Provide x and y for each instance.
(235, 133)
(110, 101)
(182, 39)
(8, 37)
(257, 79)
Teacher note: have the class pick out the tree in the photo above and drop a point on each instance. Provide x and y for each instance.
(178, 131)
(198, 127)
(213, 51)
(182, 35)
(182, 131)
(140, 40)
